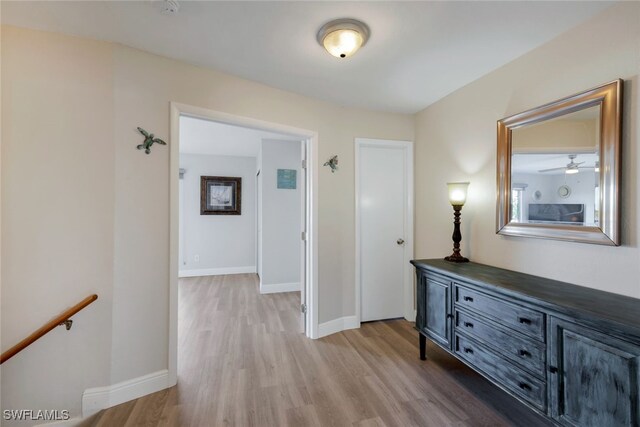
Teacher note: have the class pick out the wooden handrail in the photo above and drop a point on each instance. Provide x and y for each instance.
(62, 319)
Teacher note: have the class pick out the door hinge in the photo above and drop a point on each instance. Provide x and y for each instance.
(304, 164)
(303, 236)
(303, 308)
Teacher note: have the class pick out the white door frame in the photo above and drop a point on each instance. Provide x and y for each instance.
(259, 222)
(408, 294)
(310, 138)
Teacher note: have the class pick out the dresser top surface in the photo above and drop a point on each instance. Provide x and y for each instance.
(606, 306)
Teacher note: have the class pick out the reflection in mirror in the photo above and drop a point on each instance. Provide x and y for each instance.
(555, 172)
(558, 169)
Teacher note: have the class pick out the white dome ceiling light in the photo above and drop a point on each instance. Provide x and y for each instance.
(343, 37)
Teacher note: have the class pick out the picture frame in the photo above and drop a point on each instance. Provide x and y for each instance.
(287, 179)
(220, 195)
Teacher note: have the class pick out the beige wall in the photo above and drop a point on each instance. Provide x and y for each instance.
(83, 210)
(58, 195)
(556, 136)
(456, 140)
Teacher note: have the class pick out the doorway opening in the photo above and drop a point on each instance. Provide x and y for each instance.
(243, 201)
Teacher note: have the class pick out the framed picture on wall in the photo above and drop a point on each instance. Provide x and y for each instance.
(287, 179)
(220, 195)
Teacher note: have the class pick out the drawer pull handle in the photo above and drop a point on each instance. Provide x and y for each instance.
(525, 386)
(468, 350)
(468, 325)
(524, 320)
(467, 299)
(525, 353)
(553, 369)
(449, 316)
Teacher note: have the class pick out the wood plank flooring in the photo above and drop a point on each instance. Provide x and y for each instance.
(243, 362)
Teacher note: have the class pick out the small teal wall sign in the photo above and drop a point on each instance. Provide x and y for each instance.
(287, 179)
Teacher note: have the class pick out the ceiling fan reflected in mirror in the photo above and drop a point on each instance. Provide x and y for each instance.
(571, 167)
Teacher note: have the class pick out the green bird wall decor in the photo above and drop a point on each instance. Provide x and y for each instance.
(149, 140)
(332, 163)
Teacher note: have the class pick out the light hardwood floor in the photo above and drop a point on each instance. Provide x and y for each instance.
(243, 362)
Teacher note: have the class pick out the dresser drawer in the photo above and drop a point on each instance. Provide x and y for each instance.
(507, 375)
(525, 352)
(524, 320)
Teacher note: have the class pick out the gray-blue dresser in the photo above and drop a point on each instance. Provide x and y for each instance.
(568, 352)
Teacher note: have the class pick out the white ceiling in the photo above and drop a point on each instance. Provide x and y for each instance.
(534, 163)
(199, 136)
(418, 51)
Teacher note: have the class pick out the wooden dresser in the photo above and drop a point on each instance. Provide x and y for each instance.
(568, 352)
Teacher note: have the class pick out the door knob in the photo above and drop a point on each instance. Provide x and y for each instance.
(400, 242)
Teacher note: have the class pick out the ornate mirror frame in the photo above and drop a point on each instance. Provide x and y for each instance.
(607, 232)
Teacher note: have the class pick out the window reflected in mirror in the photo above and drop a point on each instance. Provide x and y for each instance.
(555, 171)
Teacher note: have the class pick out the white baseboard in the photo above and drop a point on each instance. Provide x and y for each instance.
(337, 325)
(279, 287)
(99, 398)
(217, 271)
(72, 422)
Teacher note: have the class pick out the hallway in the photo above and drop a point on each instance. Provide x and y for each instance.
(243, 362)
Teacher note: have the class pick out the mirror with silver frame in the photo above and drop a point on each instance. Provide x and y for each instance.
(558, 169)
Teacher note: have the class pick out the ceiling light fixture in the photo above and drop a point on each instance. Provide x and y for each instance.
(571, 170)
(343, 37)
(572, 167)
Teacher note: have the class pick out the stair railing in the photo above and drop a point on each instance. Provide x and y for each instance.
(63, 318)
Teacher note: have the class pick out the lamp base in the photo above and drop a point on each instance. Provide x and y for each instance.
(457, 237)
(456, 257)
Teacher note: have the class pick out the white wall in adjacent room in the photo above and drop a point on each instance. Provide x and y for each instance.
(582, 187)
(217, 244)
(281, 215)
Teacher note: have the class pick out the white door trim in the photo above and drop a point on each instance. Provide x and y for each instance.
(311, 140)
(408, 293)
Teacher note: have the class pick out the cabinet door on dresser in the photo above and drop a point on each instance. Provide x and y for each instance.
(437, 302)
(594, 379)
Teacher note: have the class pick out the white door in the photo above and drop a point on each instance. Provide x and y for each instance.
(384, 220)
